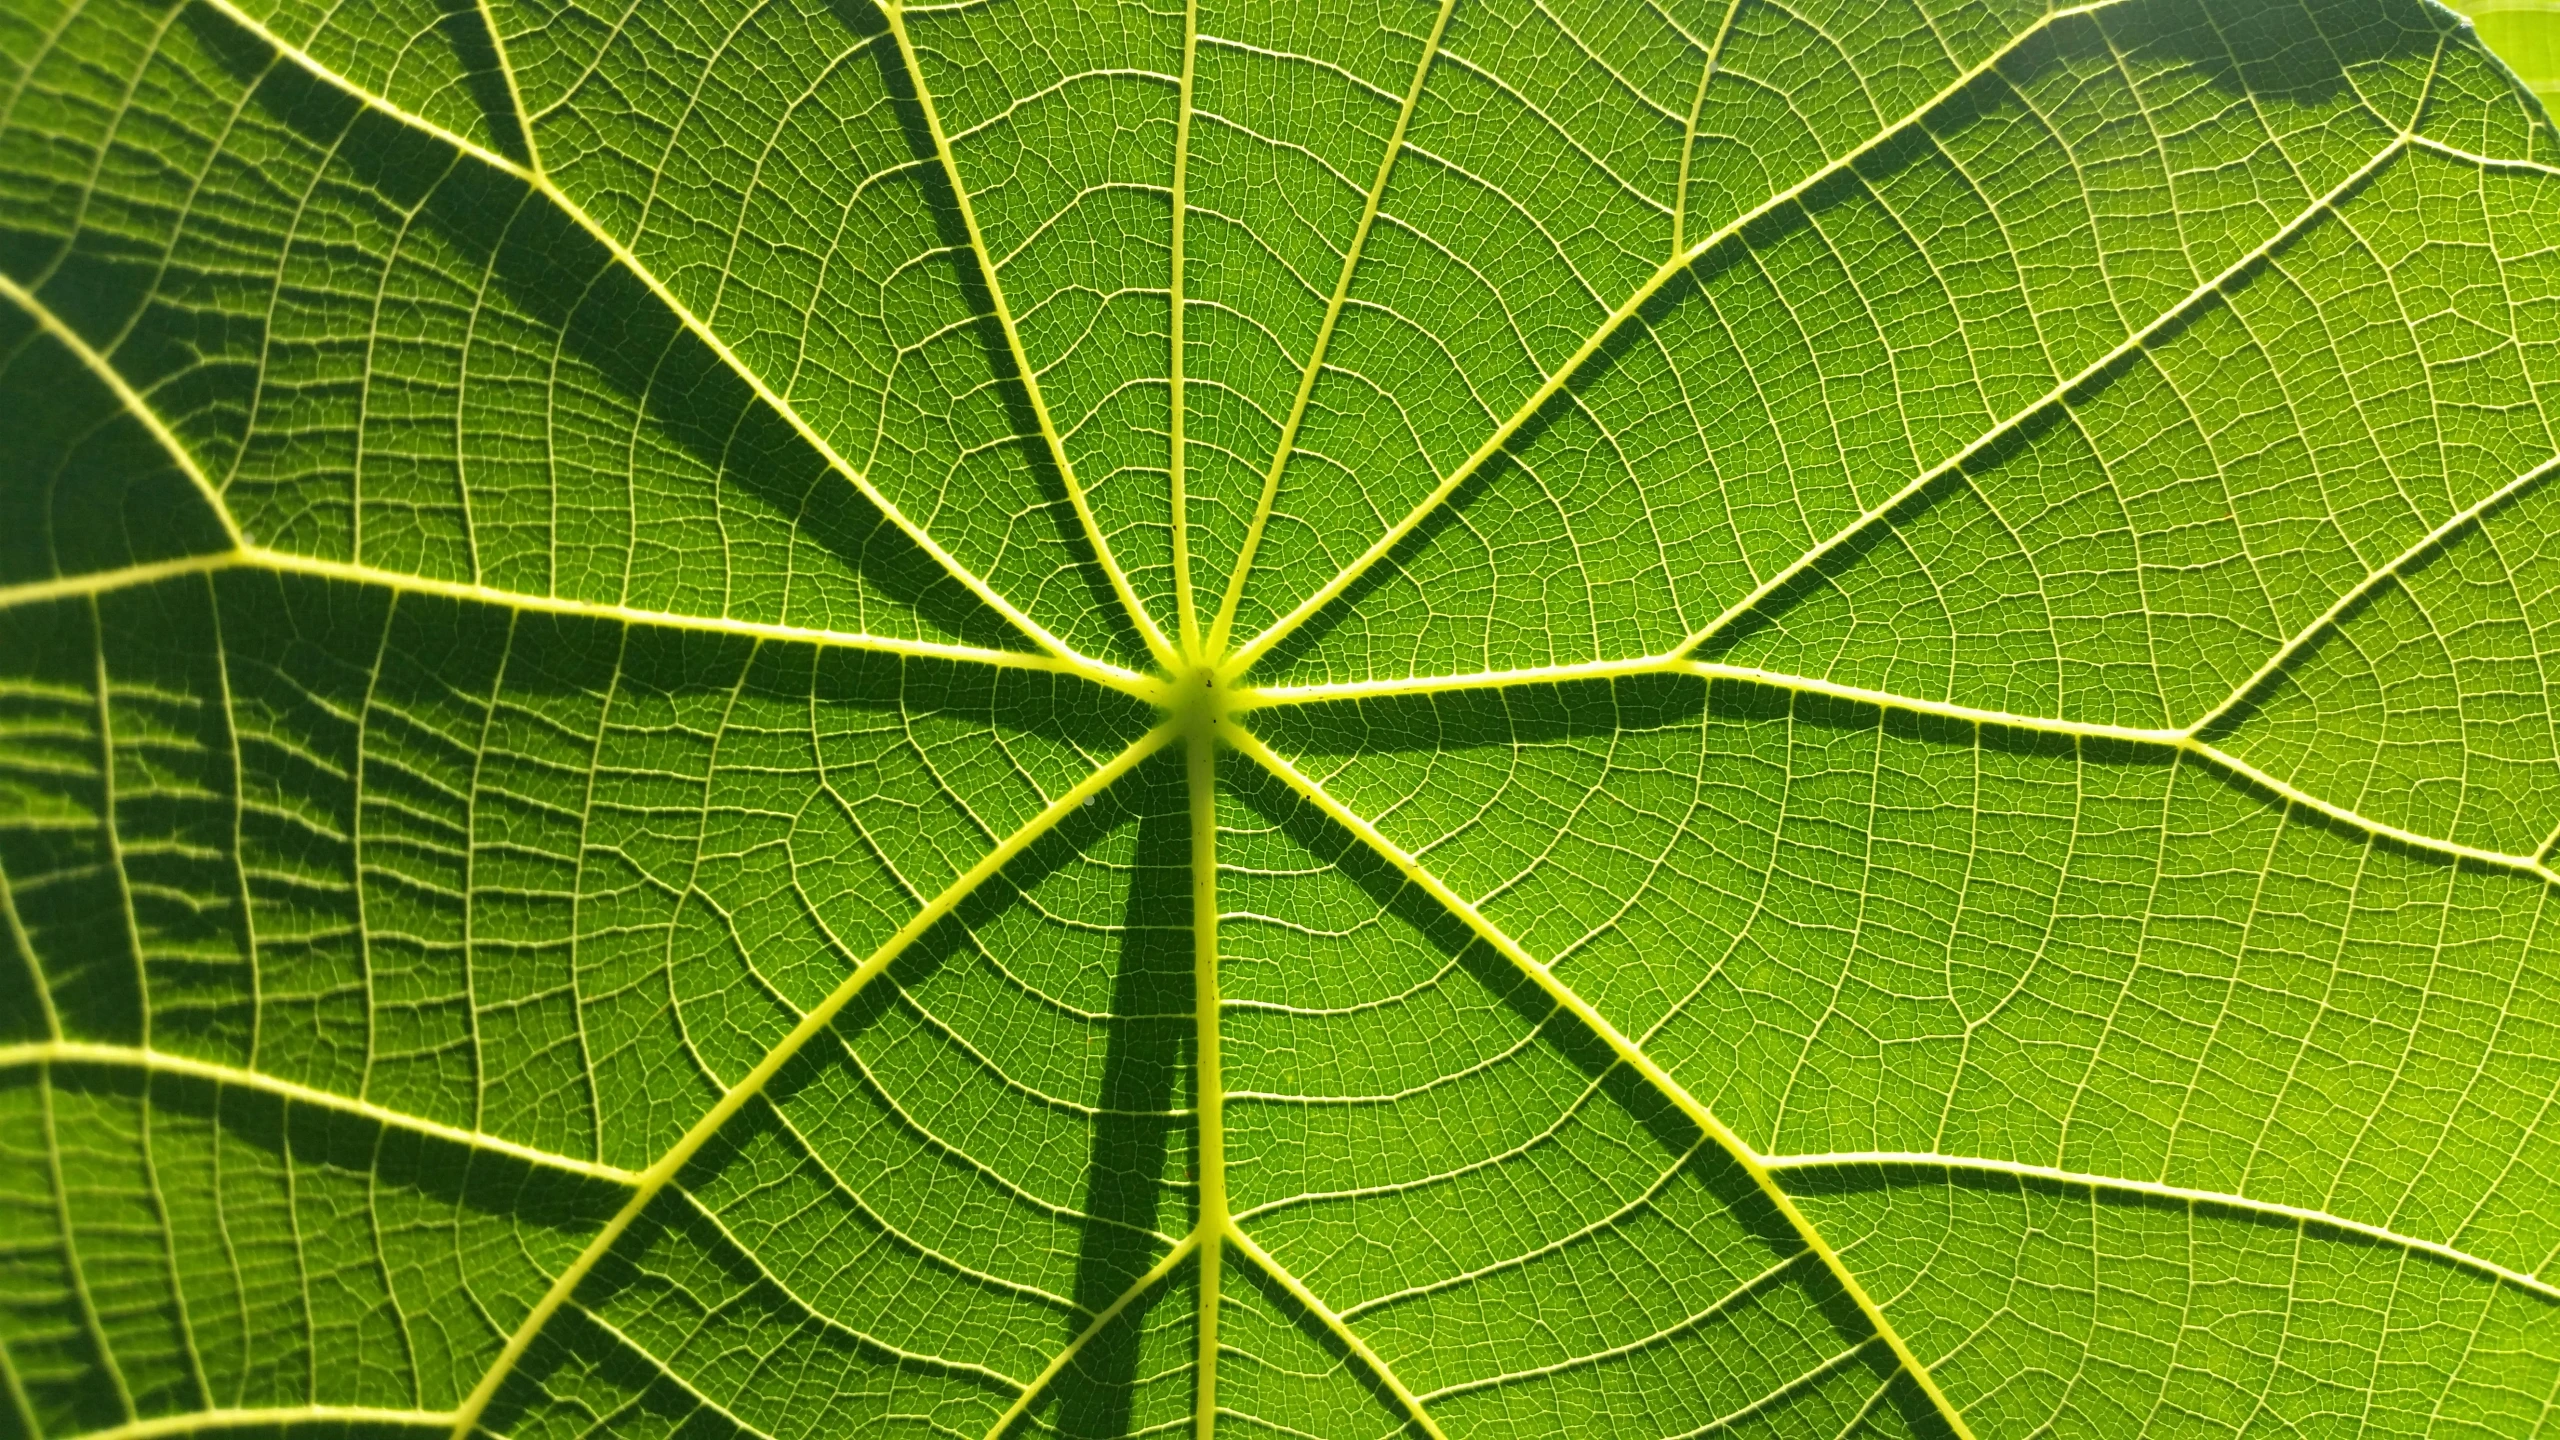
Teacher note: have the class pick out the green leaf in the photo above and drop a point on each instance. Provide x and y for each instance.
(1448, 718)
(2526, 34)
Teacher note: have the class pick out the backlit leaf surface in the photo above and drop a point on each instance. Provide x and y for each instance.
(1476, 719)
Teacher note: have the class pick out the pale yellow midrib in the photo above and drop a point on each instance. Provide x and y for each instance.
(663, 1172)
(139, 1057)
(1185, 604)
(1025, 372)
(1628, 1052)
(2216, 1199)
(1217, 1224)
(693, 324)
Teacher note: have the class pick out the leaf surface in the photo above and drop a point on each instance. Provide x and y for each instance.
(1484, 718)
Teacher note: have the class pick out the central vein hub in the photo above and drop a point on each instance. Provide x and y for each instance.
(1198, 697)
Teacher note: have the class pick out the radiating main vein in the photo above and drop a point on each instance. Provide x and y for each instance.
(1186, 607)
(1200, 777)
(1280, 629)
(659, 1175)
(1282, 448)
(1029, 377)
(684, 315)
(1628, 1052)
(285, 562)
(2187, 739)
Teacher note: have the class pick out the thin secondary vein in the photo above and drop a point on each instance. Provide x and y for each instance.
(2417, 549)
(2295, 795)
(137, 1057)
(1146, 625)
(141, 411)
(1558, 1245)
(1697, 109)
(515, 92)
(1917, 1159)
(1683, 1325)
(256, 557)
(2486, 162)
(659, 1175)
(1492, 445)
(1057, 1363)
(1332, 1320)
(1288, 440)
(1626, 1049)
(694, 324)
(923, 1359)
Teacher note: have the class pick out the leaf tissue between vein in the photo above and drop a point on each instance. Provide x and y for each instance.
(1484, 720)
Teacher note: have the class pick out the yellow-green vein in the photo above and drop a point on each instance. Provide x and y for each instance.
(161, 1062)
(660, 1174)
(1186, 607)
(1332, 1321)
(1287, 443)
(198, 1421)
(1153, 634)
(259, 558)
(1102, 1319)
(694, 324)
(1200, 774)
(1627, 1051)
(1697, 108)
(107, 375)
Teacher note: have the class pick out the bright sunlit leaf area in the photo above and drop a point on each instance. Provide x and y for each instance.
(1362, 718)
(2525, 34)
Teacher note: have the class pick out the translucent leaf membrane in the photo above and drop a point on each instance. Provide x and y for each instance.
(1531, 1241)
(1965, 419)
(384, 351)
(1294, 108)
(942, 1192)
(1137, 1374)
(2425, 705)
(2525, 34)
(772, 169)
(179, 1245)
(2046, 1306)
(433, 879)
(91, 489)
(432, 58)
(1442, 719)
(1061, 123)
(1535, 188)
(1850, 929)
